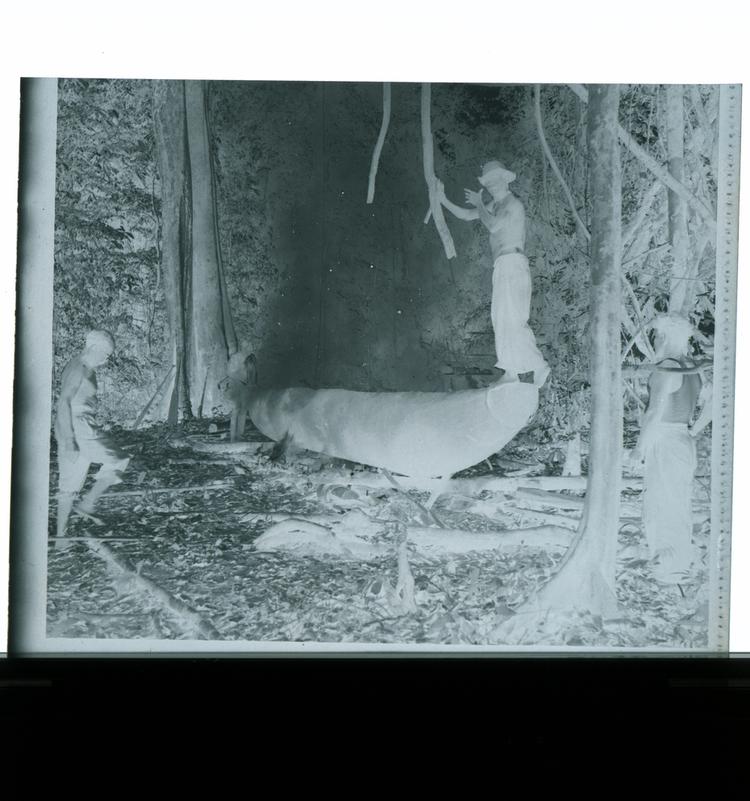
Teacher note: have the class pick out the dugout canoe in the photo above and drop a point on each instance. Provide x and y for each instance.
(425, 434)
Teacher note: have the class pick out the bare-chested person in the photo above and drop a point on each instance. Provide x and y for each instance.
(667, 445)
(505, 219)
(80, 443)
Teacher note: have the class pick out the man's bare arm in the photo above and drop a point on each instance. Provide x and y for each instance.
(456, 211)
(475, 198)
(71, 380)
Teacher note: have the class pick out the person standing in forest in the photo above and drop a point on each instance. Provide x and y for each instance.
(505, 219)
(667, 446)
(80, 442)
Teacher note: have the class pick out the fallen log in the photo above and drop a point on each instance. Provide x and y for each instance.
(66, 538)
(464, 486)
(349, 537)
(558, 519)
(627, 508)
(458, 541)
(99, 617)
(510, 484)
(550, 498)
(303, 537)
(228, 462)
(189, 620)
(234, 448)
(167, 490)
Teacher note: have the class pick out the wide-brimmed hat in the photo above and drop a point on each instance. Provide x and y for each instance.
(493, 170)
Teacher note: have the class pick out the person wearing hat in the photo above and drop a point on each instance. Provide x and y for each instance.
(505, 219)
(80, 442)
(666, 445)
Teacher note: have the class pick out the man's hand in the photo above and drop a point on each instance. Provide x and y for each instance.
(474, 198)
(439, 189)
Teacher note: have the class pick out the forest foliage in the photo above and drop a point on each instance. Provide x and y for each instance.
(330, 291)
(107, 261)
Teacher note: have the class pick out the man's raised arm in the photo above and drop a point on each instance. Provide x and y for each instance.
(475, 198)
(456, 211)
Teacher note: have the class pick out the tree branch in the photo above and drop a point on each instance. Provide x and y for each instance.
(379, 143)
(648, 200)
(638, 334)
(656, 249)
(632, 392)
(650, 162)
(428, 161)
(705, 123)
(548, 153)
(161, 386)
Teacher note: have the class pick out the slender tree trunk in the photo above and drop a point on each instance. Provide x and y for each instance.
(586, 579)
(208, 353)
(230, 335)
(199, 318)
(169, 129)
(682, 287)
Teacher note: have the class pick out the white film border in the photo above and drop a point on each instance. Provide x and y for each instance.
(35, 326)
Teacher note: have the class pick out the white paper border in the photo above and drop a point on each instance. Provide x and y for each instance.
(576, 41)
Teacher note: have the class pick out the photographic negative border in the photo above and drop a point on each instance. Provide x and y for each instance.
(33, 393)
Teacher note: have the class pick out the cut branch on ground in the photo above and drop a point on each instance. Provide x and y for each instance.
(192, 623)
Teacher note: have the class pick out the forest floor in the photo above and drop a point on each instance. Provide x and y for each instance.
(176, 556)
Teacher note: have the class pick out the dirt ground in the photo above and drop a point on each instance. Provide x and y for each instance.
(175, 557)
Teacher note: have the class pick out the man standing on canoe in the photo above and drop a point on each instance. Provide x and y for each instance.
(505, 219)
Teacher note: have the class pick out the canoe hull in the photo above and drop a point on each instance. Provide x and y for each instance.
(426, 434)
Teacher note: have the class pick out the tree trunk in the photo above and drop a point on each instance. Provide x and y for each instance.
(586, 579)
(230, 335)
(208, 352)
(198, 309)
(682, 287)
(169, 130)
